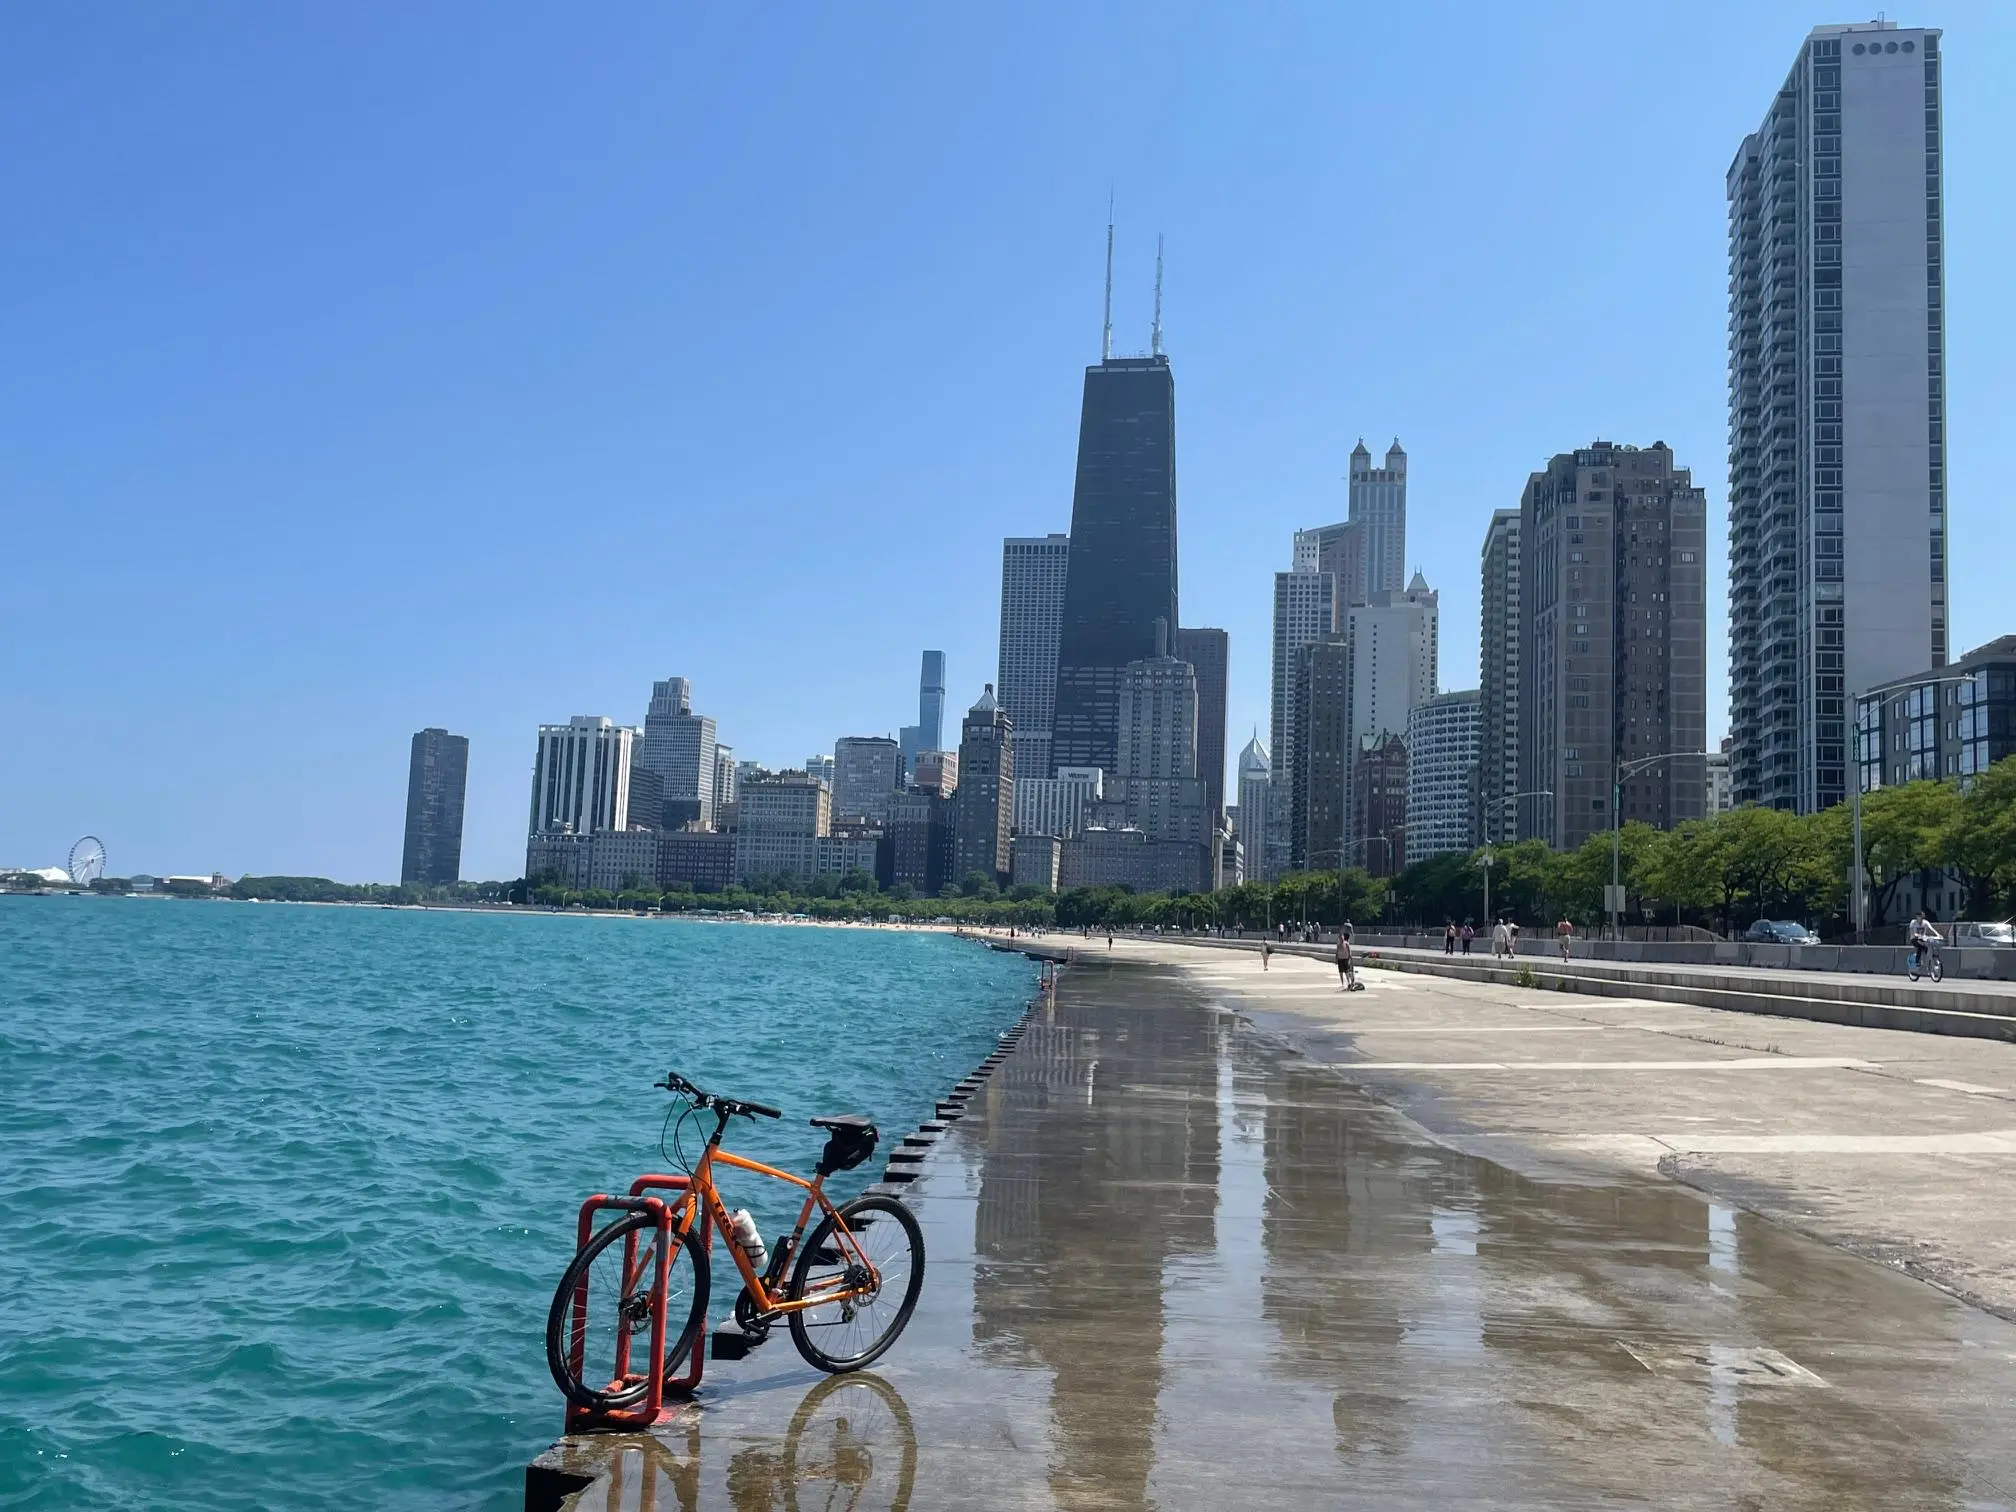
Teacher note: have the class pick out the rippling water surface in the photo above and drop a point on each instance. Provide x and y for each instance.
(284, 1191)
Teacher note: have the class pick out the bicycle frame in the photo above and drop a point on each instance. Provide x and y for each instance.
(703, 1197)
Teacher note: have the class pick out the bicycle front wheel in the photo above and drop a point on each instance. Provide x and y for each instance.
(865, 1315)
(618, 1268)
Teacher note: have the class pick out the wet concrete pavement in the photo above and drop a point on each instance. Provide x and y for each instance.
(1176, 1264)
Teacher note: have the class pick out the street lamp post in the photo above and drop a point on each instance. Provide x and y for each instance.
(1858, 896)
(1344, 852)
(1625, 769)
(1488, 860)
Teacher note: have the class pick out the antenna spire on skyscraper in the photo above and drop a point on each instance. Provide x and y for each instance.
(1155, 338)
(1106, 338)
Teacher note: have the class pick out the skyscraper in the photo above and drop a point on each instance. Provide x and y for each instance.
(581, 776)
(1379, 505)
(1612, 629)
(1122, 576)
(1837, 435)
(867, 769)
(929, 731)
(724, 779)
(1395, 647)
(1339, 550)
(1442, 775)
(437, 780)
(1379, 804)
(1209, 651)
(1325, 756)
(983, 805)
(1156, 761)
(1498, 682)
(1033, 572)
(679, 746)
(1305, 609)
(1255, 794)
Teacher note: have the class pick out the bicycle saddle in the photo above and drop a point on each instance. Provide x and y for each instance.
(840, 1121)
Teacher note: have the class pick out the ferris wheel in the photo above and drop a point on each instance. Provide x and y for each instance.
(87, 861)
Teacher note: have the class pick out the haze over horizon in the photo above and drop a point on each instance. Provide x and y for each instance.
(372, 370)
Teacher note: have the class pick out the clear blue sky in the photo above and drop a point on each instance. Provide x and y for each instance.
(369, 367)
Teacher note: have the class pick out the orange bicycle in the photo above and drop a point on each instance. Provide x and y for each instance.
(852, 1286)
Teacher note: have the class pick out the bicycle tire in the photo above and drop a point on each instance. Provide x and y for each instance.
(1938, 969)
(816, 1262)
(604, 1315)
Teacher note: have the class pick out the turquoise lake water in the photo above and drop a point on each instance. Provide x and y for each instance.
(285, 1191)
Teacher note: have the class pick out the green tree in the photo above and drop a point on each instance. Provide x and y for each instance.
(1904, 832)
(1980, 841)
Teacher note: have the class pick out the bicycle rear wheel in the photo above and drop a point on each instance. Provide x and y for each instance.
(619, 1267)
(854, 1329)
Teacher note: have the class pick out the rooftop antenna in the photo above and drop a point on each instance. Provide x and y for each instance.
(1155, 341)
(1106, 340)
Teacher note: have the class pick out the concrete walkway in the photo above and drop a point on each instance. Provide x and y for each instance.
(1897, 1146)
(1176, 1264)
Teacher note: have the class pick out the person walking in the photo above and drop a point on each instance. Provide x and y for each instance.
(1467, 935)
(1564, 932)
(1347, 971)
(1501, 939)
(1449, 939)
(1266, 951)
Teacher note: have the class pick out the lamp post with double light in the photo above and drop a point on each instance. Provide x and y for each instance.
(1615, 900)
(1486, 859)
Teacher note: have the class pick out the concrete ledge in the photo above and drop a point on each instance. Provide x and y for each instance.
(1917, 1008)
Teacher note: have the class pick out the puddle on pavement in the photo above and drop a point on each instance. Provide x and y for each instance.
(1172, 1265)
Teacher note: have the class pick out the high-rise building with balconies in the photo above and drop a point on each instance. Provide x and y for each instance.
(1837, 418)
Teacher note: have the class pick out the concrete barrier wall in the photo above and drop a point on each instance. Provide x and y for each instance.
(1979, 964)
(1919, 1008)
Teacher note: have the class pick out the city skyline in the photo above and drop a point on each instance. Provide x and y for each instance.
(1267, 439)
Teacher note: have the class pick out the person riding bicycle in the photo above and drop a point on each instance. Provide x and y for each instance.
(1923, 936)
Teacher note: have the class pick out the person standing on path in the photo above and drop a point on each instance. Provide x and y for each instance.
(1565, 933)
(1449, 939)
(1468, 935)
(1501, 939)
(1266, 951)
(1347, 973)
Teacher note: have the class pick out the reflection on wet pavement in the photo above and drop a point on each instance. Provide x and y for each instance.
(1171, 1265)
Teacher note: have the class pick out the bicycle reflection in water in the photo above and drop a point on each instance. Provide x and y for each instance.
(850, 1447)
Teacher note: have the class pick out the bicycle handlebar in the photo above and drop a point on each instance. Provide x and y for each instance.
(727, 1106)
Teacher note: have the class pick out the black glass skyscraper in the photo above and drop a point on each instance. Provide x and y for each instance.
(1122, 577)
(436, 784)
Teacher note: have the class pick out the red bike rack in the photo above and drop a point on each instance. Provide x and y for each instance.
(652, 1411)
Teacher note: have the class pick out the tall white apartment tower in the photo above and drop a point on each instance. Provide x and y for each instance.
(1032, 620)
(1379, 509)
(1837, 422)
(581, 776)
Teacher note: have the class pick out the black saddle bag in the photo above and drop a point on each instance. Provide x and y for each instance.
(847, 1148)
